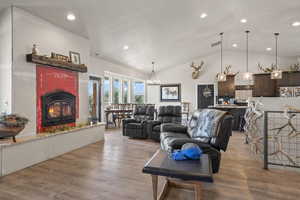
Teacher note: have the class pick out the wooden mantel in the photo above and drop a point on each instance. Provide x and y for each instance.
(44, 60)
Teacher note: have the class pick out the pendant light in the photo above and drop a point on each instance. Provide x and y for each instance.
(152, 80)
(221, 77)
(247, 75)
(277, 73)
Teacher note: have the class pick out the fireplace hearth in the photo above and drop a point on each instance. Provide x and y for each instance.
(58, 108)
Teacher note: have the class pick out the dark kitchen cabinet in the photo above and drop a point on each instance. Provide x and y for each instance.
(289, 79)
(227, 88)
(264, 86)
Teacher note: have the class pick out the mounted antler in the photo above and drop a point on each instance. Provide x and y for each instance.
(227, 70)
(266, 69)
(295, 67)
(197, 69)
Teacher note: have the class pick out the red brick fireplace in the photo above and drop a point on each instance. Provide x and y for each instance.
(57, 97)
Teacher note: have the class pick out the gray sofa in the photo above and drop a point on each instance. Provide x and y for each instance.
(166, 114)
(136, 127)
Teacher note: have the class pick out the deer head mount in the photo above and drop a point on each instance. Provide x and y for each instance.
(197, 69)
(227, 71)
(295, 67)
(266, 69)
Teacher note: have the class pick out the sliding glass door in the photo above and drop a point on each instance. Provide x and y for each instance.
(94, 92)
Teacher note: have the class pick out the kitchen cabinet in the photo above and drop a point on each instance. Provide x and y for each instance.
(227, 88)
(264, 86)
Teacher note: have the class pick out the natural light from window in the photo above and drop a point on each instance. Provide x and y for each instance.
(139, 92)
(116, 91)
(106, 89)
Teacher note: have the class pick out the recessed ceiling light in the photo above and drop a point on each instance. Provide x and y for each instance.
(269, 49)
(234, 45)
(296, 23)
(71, 17)
(203, 15)
(243, 21)
(125, 47)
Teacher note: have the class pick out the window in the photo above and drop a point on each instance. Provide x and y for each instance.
(125, 92)
(139, 92)
(106, 89)
(116, 91)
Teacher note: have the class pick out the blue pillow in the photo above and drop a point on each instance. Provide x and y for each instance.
(188, 152)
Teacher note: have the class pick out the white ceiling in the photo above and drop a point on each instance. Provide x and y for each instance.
(171, 31)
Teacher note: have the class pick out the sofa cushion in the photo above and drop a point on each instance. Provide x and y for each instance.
(171, 127)
(134, 125)
(156, 128)
(140, 110)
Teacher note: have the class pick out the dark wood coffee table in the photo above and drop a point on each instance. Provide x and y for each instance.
(187, 174)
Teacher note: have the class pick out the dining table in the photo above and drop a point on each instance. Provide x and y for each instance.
(119, 113)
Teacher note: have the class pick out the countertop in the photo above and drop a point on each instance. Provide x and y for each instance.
(227, 106)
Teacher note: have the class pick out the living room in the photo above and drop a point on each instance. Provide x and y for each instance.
(106, 99)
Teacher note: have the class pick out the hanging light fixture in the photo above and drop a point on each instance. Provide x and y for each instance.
(277, 73)
(152, 80)
(247, 75)
(221, 76)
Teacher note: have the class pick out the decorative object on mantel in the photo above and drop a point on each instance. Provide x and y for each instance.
(247, 75)
(197, 69)
(11, 125)
(34, 49)
(153, 80)
(75, 57)
(277, 73)
(221, 76)
(60, 57)
(45, 60)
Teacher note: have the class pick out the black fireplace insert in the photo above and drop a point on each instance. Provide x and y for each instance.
(58, 108)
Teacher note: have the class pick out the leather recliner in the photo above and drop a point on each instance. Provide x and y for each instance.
(136, 127)
(166, 114)
(173, 136)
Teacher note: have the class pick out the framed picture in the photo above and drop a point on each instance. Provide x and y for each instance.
(75, 57)
(59, 57)
(170, 93)
(297, 91)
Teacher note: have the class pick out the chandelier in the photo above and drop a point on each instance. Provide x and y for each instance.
(276, 73)
(221, 77)
(153, 80)
(247, 75)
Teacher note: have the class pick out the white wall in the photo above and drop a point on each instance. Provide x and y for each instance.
(182, 73)
(28, 30)
(99, 66)
(5, 60)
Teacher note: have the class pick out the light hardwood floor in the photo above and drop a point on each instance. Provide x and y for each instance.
(111, 170)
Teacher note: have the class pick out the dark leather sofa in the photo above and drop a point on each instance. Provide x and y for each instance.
(173, 136)
(136, 127)
(166, 114)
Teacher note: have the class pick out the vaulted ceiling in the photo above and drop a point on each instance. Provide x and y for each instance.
(172, 31)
